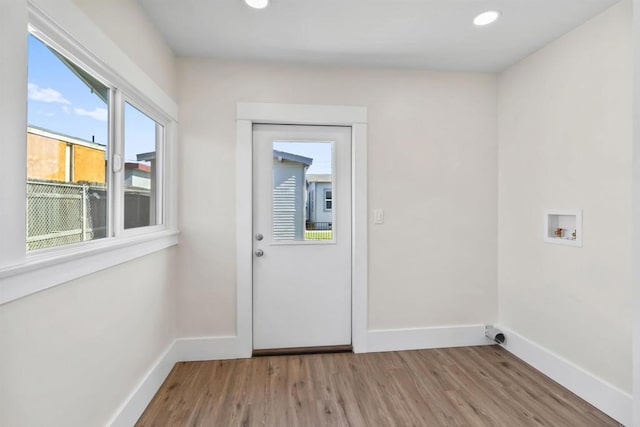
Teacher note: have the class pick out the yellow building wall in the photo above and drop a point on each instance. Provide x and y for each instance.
(46, 158)
(89, 164)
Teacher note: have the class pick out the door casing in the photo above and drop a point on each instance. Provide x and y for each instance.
(299, 114)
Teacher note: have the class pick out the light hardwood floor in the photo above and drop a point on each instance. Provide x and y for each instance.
(466, 386)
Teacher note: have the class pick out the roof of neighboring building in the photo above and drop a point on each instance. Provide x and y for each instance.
(65, 138)
(140, 166)
(146, 157)
(282, 155)
(319, 177)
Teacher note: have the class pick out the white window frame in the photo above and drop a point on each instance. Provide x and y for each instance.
(161, 133)
(25, 272)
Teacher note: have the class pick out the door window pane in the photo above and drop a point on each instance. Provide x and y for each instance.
(302, 179)
(140, 168)
(67, 134)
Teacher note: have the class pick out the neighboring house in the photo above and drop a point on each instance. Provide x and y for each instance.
(139, 206)
(137, 175)
(140, 191)
(148, 170)
(320, 196)
(66, 195)
(55, 157)
(289, 195)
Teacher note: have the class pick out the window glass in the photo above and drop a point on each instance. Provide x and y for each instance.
(67, 139)
(140, 168)
(302, 171)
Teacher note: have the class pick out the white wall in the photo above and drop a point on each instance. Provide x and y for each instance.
(565, 142)
(432, 167)
(125, 22)
(70, 355)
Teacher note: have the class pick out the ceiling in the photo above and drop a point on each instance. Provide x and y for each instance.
(423, 34)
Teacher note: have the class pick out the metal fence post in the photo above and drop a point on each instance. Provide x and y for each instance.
(85, 198)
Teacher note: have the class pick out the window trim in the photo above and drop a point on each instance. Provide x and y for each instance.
(46, 270)
(115, 147)
(74, 57)
(160, 207)
(25, 272)
(325, 199)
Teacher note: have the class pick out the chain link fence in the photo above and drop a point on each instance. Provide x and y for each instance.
(63, 213)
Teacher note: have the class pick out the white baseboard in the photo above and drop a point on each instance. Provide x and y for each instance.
(424, 338)
(138, 400)
(604, 396)
(181, 350)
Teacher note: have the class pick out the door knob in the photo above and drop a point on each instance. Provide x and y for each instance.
(259, 252)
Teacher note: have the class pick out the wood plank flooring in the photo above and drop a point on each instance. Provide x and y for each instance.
(466, 386)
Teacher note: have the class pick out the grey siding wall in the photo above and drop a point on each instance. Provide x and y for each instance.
(320, 214)
(288, 201)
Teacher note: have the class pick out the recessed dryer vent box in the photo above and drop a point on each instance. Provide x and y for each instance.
(563, 227)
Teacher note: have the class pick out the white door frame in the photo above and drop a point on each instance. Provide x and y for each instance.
(247, 115)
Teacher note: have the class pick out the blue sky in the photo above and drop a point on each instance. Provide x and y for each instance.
(62, 103)
(320, 152)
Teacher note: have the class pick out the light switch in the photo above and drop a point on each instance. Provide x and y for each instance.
(378, 216)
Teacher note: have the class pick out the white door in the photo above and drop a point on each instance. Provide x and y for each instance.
(302, 236)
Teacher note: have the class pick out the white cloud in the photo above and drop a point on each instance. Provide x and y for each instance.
(99, 113)
(48, 95)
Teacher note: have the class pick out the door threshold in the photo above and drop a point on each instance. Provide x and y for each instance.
(302, 350)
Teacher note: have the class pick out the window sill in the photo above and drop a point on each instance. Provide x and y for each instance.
(42, 271)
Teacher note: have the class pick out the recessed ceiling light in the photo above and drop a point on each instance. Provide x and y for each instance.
(257, 4)
(486, 18)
